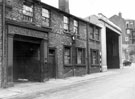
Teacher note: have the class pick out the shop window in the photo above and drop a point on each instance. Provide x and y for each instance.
(75, 28)
(66, 23)
(67, 55)
(94, 57)
(80, 56)
(45, 17)
(27, 11)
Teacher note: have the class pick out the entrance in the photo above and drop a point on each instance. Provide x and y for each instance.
(112, 42)
(51, 64)
(26, 61)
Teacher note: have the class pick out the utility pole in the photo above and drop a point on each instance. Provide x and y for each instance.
(3, 44)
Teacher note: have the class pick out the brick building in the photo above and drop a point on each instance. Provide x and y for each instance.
(111, 41)
(128, 35)
(39, 42)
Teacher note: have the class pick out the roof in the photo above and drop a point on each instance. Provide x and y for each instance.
(106, 20)
(44, 4)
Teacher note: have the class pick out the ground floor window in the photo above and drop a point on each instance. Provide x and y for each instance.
(67, 55)
(80, 59)
(94, 57)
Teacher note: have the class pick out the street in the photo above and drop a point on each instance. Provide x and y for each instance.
(117, 86)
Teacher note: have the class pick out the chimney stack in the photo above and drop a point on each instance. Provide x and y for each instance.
(64, 5)
(120, 14)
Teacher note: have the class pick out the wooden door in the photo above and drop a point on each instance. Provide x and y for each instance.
(52, 63)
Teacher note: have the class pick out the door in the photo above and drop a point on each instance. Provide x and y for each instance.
(52, 63)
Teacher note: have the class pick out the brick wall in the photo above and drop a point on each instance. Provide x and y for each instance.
(0, 47)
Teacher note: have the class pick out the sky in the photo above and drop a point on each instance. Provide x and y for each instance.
(85, 8)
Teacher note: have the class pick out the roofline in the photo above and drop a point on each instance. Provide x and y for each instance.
(106, 20)
(44, 4)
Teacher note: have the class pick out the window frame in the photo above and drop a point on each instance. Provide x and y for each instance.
(27, 14)
(97, 61)
(92, 32)
(66, 23)
(97, 34)
(76, 27)
(44, 17)
(70, 55)
(83, 61)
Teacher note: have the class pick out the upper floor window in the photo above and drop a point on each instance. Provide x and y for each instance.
(127, 24)
(97, 33)
(75, 28)
(28, 11)
(66, 23)
(45, 17)
(92, 32)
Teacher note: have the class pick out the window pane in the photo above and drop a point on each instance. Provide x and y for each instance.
(45, 13)
(75, 23)
(79, 56)
(65, 19)
(67, 57)
(66, 26)
(94, 57)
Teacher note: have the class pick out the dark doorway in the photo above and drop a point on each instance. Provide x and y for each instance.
(52, 63)
(112, 42)
(26, 61)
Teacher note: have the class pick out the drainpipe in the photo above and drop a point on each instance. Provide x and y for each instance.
(87, 46)
(3, 84)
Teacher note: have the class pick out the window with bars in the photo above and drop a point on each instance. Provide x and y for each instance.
(66, 23)
(75, 28)
(28, 11)
(80, 56)
(67, 55)
(94, 57)
(45, 17)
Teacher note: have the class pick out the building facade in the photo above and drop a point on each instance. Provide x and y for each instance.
(39, 42)
(128, 38)
(111, 41)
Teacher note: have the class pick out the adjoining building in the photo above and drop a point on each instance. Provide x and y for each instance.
(128, 36)
(111, 41)
(39, 42)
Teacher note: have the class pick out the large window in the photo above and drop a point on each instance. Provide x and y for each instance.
(75, 28)
(94, 57)
(80, 56)
(95, 33)
(45, 17)
(66, 23)
(28, 11)
(67, 55)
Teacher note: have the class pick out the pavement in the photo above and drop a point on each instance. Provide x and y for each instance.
(31, 88)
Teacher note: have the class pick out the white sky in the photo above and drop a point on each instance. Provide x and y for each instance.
(84, 8)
